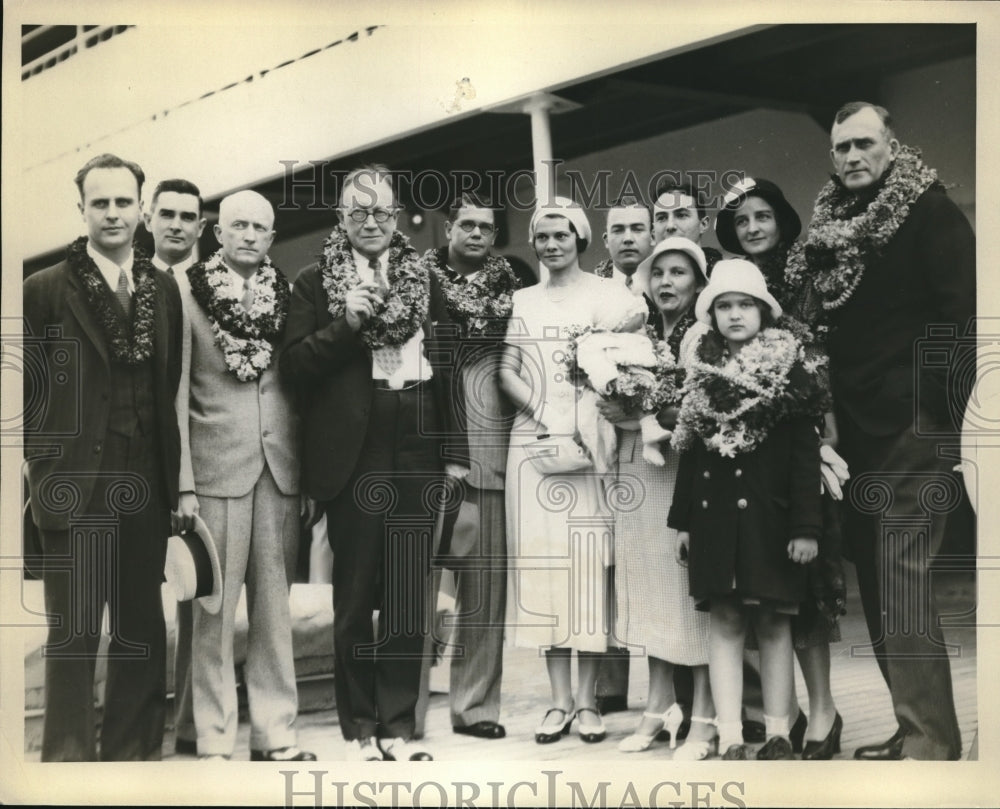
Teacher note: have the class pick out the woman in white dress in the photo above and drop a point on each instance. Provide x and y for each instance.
(655, 612)
(559, 526)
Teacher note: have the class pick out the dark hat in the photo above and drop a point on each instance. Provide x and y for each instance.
(788, 221)
(192, 567)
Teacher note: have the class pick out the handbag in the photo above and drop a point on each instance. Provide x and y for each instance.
(558, 455)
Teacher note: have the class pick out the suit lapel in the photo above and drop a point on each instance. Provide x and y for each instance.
(161, 326)
(77, 301)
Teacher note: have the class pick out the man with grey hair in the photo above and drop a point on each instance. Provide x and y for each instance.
(240, 471)
(888, 262)
(370, 348)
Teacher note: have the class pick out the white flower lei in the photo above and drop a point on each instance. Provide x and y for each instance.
(246, 357)
(756, 381)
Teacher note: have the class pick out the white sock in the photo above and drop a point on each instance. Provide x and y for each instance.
(730, 733)
(776, 725)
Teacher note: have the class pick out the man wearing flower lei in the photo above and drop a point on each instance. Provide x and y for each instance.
(370, 344)
(240, 472)
(888, 255)
(101, 442)
(477, 288)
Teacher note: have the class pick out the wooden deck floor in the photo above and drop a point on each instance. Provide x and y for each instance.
(858, 688)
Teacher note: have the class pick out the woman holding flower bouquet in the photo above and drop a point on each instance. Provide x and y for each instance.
(655, 611)
(559, 524)
(759, 223)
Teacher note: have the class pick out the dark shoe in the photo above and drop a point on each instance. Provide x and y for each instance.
(797, 733)
(483, 730)
(778, 748)
(597, 732)
(185, 747)
(282, 754)
(545, 734)
(612, 703)
(890, 750)
(403, 750)
(753, 731)
(824, 750)
(736, 752)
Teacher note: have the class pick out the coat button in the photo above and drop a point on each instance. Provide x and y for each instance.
(706, 474)
(266, 433)
(742, 503)
(739, 473)
(704, 504)
(97, 448)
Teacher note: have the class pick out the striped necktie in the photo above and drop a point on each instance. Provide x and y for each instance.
(247, 299)
(122, 294)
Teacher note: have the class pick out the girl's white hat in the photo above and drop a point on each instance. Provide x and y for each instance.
(734, 275)
(563, 206)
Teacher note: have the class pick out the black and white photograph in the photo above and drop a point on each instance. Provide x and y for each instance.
(556, 403)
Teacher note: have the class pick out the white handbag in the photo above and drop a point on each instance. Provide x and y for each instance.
(558, 455)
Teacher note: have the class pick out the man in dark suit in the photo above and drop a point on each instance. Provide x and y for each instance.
(365, 349)
(102, 470)
(887, 256)
(175, 221)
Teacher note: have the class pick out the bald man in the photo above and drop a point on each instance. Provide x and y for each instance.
(240, 471)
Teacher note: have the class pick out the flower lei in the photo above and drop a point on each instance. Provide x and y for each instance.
(605, 269)
(846, 235)
(397, 319)
(247, 338)
(128, 343)
(731, 402)
(483, 305)
(636, 387)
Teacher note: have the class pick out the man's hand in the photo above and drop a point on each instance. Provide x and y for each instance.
(803, 551)
(360, 303)
(683, 545)
(456, 471)
(187, 508)
(613, 411)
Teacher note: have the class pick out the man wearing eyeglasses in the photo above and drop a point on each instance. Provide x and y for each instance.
(369, 352)
(477, 288)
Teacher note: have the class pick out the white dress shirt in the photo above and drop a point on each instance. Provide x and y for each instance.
(638, 285)
(112, 271)
(415, 365)
(178, 268)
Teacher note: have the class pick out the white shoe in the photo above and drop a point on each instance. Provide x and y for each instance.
(700, 749)
(403, 750)
(670, 721)
(362, 750)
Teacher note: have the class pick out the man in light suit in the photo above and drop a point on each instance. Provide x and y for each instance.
(369, 350)
(176, 223)
(477, 544)
(101, 444)
(239, 470)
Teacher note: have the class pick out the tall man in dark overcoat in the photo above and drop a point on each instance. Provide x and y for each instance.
(103, 461)
(891, 260)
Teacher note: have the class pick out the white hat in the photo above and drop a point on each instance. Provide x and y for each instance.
(678, 244)
(192, 567)
(563, 206)
(734, 275)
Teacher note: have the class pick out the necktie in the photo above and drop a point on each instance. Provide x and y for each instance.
(628, 281)
(121, 292)
(389, 358)
(247, 299)
(170, 270)
(454, 277)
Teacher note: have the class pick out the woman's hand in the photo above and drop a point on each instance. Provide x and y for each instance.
(802, 551)
(557, 421)
(681, 551)
(613, 411)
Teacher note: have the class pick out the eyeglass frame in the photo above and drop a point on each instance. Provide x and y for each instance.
(484, 227)
(372, 212)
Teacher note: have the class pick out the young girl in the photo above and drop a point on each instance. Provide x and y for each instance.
(747, 502)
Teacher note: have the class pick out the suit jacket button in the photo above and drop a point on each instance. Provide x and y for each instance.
(97, 448)
(742, 503)
(266, 433)
(739, 473)
(706, 474)
(704, 504)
